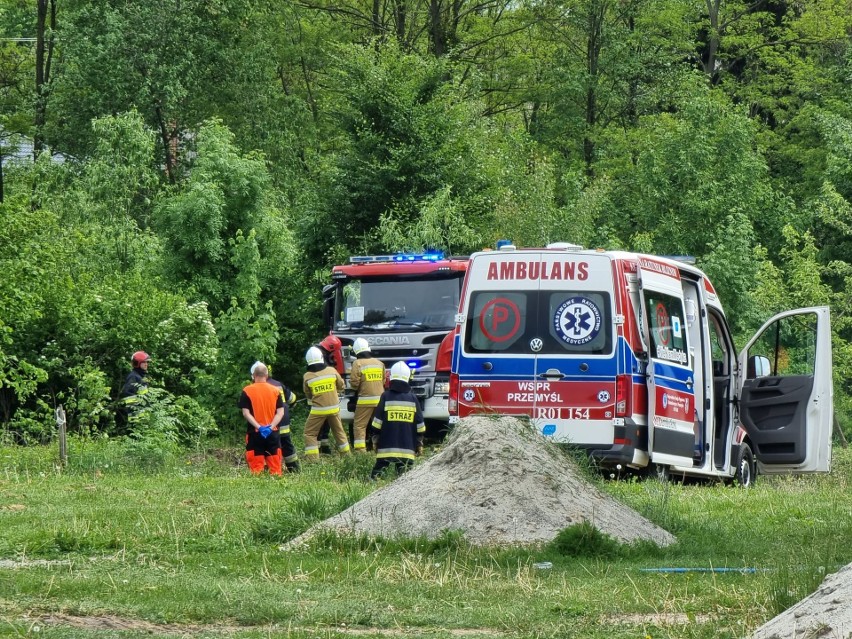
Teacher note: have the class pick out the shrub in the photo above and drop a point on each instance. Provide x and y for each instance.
(584, 540)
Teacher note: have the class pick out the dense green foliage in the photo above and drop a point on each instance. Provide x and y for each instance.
(218, 157)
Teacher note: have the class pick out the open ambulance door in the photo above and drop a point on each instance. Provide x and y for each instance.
(786, 400)
(671, 397)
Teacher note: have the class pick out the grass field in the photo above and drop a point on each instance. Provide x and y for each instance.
(123, 543)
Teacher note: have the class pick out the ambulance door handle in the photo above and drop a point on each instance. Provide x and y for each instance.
(689, 382)
(551, 373)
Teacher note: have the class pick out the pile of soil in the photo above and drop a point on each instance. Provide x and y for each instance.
(827, 613)
(497, 481)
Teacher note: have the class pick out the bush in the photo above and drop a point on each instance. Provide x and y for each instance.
(584, 540)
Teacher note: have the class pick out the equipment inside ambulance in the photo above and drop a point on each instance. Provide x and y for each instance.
(630, 357)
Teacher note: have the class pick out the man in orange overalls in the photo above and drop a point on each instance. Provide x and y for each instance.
(263, 409)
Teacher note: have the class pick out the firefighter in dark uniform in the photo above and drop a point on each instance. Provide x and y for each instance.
(367, 379)
(134, 385)
(288, 450)
(322, 386)
(263, 409)
(399, 421)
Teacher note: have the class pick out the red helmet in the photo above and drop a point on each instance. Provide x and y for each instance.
(331, 343)
(139, 356)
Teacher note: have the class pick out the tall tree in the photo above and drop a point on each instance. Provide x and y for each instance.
(163, 57)
(45, 41)
(609, 63)
(410, 135)
(698, 186)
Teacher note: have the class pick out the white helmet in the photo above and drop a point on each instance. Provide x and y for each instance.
(401, 372)
(360, 346)
(314, 356)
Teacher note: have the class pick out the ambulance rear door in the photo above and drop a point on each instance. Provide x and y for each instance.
(671, 397)
(496, 365)
(575, 349)
(786, 401)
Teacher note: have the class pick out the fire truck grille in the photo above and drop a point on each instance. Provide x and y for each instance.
(400, 353)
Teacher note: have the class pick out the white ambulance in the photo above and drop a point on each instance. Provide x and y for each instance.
(630, 357)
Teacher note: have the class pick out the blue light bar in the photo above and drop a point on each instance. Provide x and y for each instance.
(399, 257)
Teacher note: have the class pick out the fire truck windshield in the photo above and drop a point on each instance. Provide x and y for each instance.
(397, 305)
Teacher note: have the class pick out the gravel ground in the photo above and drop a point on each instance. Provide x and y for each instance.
(826, 614)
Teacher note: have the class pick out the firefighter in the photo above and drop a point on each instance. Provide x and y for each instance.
(288, 450)
(367, 379)
(332, 351)
(263, 409)
(399, 421)
(322, 385)
(133, 386)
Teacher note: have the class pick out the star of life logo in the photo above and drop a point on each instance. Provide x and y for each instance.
(469, 395)
(577, 321)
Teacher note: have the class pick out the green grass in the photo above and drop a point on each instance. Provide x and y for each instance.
(192, 545)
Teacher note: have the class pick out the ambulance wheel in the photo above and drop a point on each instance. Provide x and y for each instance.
(662, 473)
(746, 470)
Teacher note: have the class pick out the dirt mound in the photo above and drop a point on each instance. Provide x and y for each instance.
(498, 482)
(826, 614)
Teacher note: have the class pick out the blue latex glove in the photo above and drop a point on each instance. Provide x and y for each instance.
(265, 431)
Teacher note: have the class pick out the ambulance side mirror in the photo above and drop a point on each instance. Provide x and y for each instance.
(757, 366)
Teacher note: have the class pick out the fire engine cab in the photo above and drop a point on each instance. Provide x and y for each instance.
(405, 306)
(630, 357)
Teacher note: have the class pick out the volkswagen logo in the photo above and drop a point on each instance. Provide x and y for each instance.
(536, 344)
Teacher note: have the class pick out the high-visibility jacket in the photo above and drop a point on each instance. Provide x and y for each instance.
(322, 389)
(263, 400)
(367, 379)
(399, 420)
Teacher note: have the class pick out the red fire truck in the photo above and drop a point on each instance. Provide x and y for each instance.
(404, 305)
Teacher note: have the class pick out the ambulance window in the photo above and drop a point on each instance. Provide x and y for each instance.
(579, 322)
(666, 326)
(788, 346)
(718, 347)
(497, 322)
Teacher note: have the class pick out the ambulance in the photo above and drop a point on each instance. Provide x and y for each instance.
(630, 357)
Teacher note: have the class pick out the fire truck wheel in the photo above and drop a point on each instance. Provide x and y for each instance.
(746, 471)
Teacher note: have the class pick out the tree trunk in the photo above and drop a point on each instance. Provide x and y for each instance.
(593, 52)
(399, 15)
(632, 111)
(167, 146)
(46, 17)
(437, 37)
(711, 49)
(376, 19)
